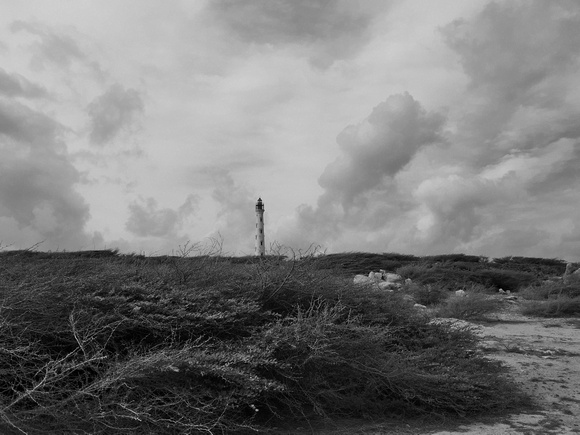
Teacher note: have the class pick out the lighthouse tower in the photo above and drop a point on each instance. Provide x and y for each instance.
(260, 241)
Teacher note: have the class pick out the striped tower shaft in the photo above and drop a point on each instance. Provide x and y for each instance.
(260, 248)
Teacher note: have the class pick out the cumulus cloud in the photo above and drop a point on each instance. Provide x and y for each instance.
(332, 29)
(146, 219)
(380, 146)
(521, 120)
(360, 189)
(112, 112)
(497, 176)
(37, 197)
(15, 85)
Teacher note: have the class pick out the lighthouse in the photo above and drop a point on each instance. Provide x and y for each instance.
(260, 241)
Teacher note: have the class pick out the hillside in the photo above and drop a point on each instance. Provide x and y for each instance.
(99, 342)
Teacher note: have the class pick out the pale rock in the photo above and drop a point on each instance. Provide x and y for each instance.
(385, 285)
(361, 279)
(375, 276)
(392, 277)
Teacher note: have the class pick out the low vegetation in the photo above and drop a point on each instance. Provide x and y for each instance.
(472, 306)
(98, 342)
(560, 307)
(552, 299)
(452, 271)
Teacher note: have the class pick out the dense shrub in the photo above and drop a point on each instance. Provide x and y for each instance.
(339, 366)
(439, 275)
(552, 262)
(352, 263)
(559, 307)
(453, 258)
(471, 306)
(541, 267)
(428, 294)
(460, 275)
(129, 344)
(506, 279)
(550, 290)
(551, 299)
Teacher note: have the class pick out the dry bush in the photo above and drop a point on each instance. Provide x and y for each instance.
(474, 305)
(562, 306)
(128, 344)
(336, 365)
(428, 294)
(550, 290)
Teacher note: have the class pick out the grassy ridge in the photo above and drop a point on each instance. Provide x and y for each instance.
(105, 343)
(451, 271)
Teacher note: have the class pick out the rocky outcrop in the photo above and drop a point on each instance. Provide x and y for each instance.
(383, 279)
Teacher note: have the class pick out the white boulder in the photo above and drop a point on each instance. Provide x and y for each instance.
(376, 276)
(384, 281)
(392, 277)
(361, 279)
(385, 285)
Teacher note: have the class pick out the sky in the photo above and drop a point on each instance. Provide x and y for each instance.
(408, 126)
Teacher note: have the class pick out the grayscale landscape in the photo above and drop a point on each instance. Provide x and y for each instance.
(289, 216)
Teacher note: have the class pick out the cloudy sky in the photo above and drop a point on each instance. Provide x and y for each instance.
(411, 126)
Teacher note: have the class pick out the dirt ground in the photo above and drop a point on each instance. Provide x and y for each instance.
(544, 358)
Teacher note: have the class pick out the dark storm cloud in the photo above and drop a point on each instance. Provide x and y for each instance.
(146, 219)
(335, 29)
(15, 85)
(36, 181)
(116, 110)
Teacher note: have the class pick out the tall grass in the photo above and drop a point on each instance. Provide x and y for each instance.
(127, 344)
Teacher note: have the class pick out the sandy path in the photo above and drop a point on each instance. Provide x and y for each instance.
(544, 355)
